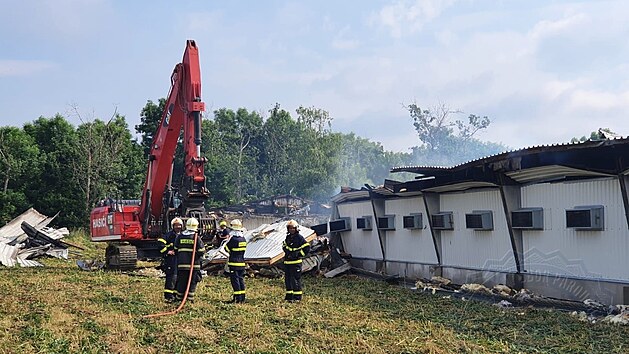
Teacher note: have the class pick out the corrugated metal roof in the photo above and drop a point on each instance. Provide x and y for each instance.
(549, 172)
(360, 194)
(13, 228)
(8, 254)
(263, 243)
(516, 152)
(460, 186)
(12, 233)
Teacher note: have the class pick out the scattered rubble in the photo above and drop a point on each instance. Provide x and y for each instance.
(90, 265)
(504, 297)
(28, 237)
(264, 251)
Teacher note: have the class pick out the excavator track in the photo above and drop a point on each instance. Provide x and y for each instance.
(121, 257)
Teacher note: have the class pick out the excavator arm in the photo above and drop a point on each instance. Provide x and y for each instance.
(183, 110)
(131, 230)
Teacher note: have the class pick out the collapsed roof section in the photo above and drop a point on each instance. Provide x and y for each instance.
(27, 237)
(264, 244)
(285, 204)
(539, 164)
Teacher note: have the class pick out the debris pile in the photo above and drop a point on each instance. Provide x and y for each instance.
(264, 252)
(28, 237)
(505, 297)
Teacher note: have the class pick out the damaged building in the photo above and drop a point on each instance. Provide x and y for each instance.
(264, 248)
(268, 210)
(552, 219)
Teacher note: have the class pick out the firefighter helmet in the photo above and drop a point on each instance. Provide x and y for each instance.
(292, 223)
(192, 224)
(223, 223)
(236, 224)
(176, 221)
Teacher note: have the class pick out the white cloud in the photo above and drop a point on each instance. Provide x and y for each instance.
(407, 17)
(565, 25)
(23, 67)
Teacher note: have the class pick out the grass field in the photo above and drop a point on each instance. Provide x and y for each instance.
(61, 309)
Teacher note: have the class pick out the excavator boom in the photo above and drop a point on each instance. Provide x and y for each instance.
(132, 230)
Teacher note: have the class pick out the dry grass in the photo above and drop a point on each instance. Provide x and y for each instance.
(61, 309)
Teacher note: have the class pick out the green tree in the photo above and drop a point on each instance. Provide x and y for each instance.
(364, 161)
(448, 142)
(600, 134)
(54, 189)
(150, 118)
(18, 153)
(19, 157)
(233, 151)
(316, 152)
(280, 134)
(108, 160)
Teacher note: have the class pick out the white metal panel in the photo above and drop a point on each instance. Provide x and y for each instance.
(408, 244)
(264, 242)
(13, 228)
(488, 250)
(360, 243)
(561, 251)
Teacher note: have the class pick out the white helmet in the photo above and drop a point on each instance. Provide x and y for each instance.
(236, 224)
(176, 221)
(292, 223)
(192, 224)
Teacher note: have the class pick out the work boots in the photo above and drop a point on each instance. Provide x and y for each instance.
(237, 299)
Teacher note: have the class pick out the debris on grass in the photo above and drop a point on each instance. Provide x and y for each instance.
(264, 253)
(90, 265)
(28, 237)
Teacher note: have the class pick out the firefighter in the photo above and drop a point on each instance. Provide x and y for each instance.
(184, 244)
(169, 260)
(236, 247)
(295, 249)
(221, 234)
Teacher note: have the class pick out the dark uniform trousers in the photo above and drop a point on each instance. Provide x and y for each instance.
(236, 247)
(295, 248)
(292, 280)
(183, 247)
(169, 265)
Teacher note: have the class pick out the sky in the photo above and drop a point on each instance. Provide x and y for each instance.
(542, 71)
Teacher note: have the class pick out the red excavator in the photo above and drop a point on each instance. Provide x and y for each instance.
(131, 228)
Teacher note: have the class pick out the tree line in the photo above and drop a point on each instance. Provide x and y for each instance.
(53, 166)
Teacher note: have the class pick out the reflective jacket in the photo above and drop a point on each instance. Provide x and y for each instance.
(295, 248)
(168, 244)
(183, 248)
(236, 247)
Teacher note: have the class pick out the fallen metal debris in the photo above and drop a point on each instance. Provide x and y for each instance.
(27, 237)
(346, 267)
(90, 265)
(264, 244)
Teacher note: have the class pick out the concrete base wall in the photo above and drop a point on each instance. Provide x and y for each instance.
(467, 276)
(605, 292)
(578, 289)
(367, 264)
(410, 270)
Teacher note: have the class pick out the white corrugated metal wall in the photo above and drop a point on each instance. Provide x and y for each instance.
(407, 244)
(561, 251)
(487, 250)
(360, 243)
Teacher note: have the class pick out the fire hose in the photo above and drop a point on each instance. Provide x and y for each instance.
(185, 296)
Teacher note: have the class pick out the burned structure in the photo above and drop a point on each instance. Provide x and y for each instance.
(552, 219)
